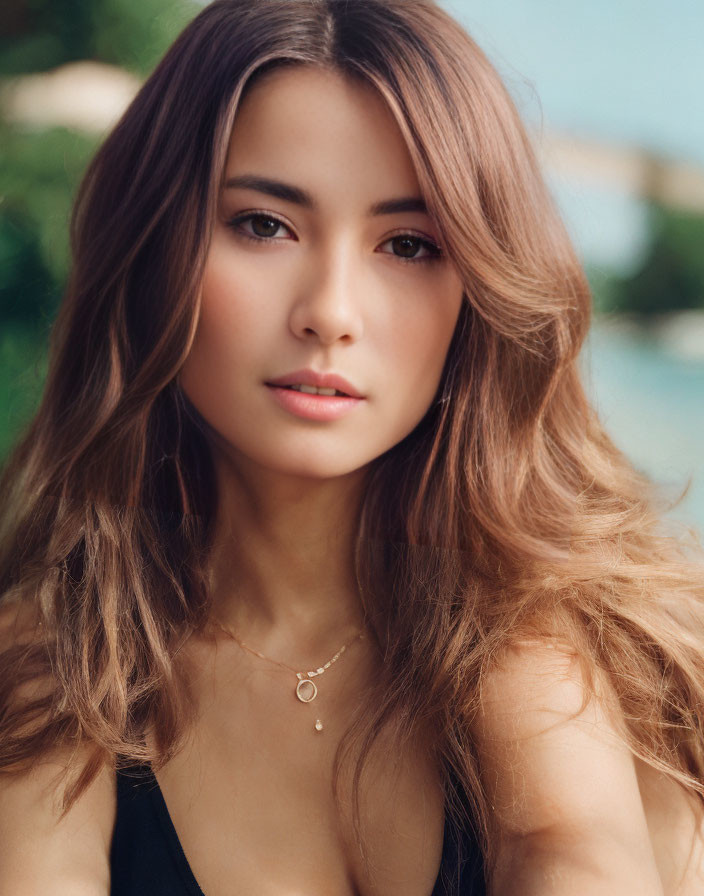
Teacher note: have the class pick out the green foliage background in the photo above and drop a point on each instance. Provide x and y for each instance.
(40, 170)
(37, 35)
(671, 274)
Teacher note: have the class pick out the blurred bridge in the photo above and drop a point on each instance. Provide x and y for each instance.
(629, 169)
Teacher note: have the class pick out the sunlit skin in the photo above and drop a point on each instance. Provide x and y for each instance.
(328, 287)
(248, 790)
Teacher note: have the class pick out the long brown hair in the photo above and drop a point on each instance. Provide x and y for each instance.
(506, 512)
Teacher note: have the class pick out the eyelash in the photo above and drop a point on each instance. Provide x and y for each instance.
(241, 219)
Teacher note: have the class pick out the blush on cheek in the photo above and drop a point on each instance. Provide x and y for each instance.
(235, 291)
(221, 322)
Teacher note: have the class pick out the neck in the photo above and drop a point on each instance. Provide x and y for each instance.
(282, 565)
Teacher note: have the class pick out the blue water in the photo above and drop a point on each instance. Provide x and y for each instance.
(652, 404)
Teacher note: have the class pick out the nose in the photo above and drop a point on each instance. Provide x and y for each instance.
(328, 306)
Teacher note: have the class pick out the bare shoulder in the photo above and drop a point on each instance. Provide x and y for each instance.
(546, 730)
(42, 850)
(556, 764)
(532, 684)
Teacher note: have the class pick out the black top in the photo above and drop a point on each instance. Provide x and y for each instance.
(146, 857)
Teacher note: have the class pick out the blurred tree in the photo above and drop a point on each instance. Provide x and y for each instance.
(39, 173)
(604, 287)
(40, 169)
(22, 373)
(38, 176)
(670, 276)
(37, 35)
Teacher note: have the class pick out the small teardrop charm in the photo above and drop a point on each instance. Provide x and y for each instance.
(318, 725)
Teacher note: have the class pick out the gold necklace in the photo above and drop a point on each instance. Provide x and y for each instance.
(306, 689)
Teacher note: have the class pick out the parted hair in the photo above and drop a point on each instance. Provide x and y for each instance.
(506, 513)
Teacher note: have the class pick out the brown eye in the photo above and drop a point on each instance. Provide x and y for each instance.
(407, 246)
(263, 226)
(256, 226)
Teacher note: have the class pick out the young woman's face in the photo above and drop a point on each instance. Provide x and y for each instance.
(313, 277)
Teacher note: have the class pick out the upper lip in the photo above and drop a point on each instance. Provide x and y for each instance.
(309, 377)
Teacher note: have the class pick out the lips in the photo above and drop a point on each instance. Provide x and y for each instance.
(307, 406)
(308, 377)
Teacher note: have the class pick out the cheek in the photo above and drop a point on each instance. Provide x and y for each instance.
(415, 355)
(231, 305)
(227, 300)
(422, 338)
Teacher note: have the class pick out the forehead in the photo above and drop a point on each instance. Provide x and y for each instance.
(324, 131)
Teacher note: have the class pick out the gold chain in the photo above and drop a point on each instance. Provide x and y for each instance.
(299, 675)
(306, 689)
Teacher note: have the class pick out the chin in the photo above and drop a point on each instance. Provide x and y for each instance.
(318, 470)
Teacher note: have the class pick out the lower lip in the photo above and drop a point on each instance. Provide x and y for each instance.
(314, 407)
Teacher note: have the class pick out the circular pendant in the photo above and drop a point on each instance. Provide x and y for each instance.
(306, 690)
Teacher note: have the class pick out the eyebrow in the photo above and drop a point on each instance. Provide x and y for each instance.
(289, 193)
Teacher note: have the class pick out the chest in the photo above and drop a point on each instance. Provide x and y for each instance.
(250, 794)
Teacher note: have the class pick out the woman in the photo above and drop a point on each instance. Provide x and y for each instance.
(410, 639)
